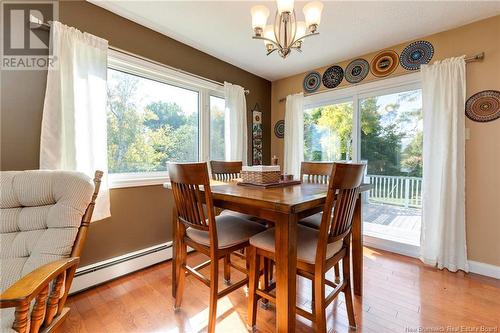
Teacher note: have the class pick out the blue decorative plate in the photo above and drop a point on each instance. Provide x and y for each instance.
(416, 54)
(333, 76)
(312, 81)
(279, 129)
(357, 70)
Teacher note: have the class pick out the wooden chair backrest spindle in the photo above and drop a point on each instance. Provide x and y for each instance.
(315, 172)
(225, 171)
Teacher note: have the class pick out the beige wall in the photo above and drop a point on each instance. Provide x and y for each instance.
(483, 148)
(141, 216)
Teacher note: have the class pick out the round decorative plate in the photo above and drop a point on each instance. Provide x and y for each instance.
(384, 63)
(333, 76)
(357, 70)
(416, 54)
(312, 81)
(279, 129)
(483, 106)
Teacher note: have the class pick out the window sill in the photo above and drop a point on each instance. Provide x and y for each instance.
(125, 180)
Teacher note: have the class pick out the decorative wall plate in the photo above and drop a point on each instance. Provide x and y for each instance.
(483, 106)
(357, 70)
(312, 81)
(333, 76)
(384, 63)
(279, 129)
(416, 54)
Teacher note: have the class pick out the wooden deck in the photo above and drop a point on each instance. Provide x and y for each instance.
(395, 223)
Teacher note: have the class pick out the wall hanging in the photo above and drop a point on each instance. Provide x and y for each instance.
(312, 81)
(256, 135)
(384, 63)
(333, 76)
(357, 70)
(279, 129)
(483, 106)
(416, 54)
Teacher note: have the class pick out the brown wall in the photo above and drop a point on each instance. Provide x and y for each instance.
(141, 216)
(483, 148)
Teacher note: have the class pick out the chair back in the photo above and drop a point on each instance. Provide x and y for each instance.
(343, 190)
(315, 172)
(225, 171)
(187, 180)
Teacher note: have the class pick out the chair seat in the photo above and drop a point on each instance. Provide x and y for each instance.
(307, 243)
(231, 230)
(237, 214)
(313, 221)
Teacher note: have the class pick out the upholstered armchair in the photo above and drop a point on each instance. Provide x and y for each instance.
(44, 216)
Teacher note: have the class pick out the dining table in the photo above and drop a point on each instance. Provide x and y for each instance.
(284, 207)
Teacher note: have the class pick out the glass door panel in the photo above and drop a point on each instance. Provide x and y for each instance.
(391, 145)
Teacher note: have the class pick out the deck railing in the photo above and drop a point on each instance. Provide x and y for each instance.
(395, 190)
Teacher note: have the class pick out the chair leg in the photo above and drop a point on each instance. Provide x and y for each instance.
(214, 279)
(181, 274)
(337, 273)
(347, 290)
(266, 262)
(253, 280)
(227, 269)
(319, 303)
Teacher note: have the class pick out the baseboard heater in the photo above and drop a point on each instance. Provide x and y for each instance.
(103, 271)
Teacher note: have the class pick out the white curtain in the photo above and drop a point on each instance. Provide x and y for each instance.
(443, 242)
(74, 113)
(235, 124)
(294, 134)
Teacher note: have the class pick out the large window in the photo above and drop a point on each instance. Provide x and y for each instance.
(157, 115)
(379, 124)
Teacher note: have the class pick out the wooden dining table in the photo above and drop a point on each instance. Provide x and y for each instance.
(284, 206)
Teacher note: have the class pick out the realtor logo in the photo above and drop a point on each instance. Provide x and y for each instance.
(25, 41)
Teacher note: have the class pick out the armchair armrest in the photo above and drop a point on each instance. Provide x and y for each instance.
(29, 286)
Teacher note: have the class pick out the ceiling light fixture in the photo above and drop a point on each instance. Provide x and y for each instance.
(286, 33)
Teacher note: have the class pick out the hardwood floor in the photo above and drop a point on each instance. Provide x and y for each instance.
(400, 295)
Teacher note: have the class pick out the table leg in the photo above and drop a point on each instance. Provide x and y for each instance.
(357, 247)
(286, 263)
(174, 252)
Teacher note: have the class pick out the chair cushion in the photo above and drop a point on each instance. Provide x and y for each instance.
(237, 214)
(6, 320)
(41, 212)
(231, 230)
(313, 221)
(307, 243)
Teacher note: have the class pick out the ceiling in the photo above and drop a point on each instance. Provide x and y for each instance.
(348, 28)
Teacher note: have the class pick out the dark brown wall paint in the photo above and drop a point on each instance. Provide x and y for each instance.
(141, 216)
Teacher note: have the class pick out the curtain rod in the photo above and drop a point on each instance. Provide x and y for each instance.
(37, 24)
(474, 58)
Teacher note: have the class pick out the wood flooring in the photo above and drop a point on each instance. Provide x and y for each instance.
(400, 295)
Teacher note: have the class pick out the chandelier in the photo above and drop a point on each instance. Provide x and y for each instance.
(286, 33)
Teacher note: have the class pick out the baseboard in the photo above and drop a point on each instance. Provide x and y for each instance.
(484, 269)
(95, 274)
(391, 246)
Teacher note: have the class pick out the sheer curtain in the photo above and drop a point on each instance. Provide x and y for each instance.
(443, 242)
(294, 134)
(235, 124)
(73, 133)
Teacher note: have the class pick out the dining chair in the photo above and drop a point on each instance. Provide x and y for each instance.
(214, 236)
(317, 250)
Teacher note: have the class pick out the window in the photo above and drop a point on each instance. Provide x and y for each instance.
(217, 111)
(158, 115)
(380, 124)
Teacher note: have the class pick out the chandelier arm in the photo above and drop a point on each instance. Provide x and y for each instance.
(269, 52)
(277, 27)
(307, 35)
(267, 39)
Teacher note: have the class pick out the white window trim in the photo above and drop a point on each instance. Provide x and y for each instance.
(149, 70)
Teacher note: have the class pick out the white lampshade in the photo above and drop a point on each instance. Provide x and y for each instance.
(259, 16)
(285, 6)
(301, 29)
(312, 12)
(269, 33)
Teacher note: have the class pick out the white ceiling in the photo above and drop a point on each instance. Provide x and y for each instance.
(348, 28)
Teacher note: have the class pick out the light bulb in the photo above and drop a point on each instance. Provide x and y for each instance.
(259, 16)
(284, 6)
(312, 13)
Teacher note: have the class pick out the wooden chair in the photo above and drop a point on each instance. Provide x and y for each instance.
(317, 250)
(215, 236)
(35, 300)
